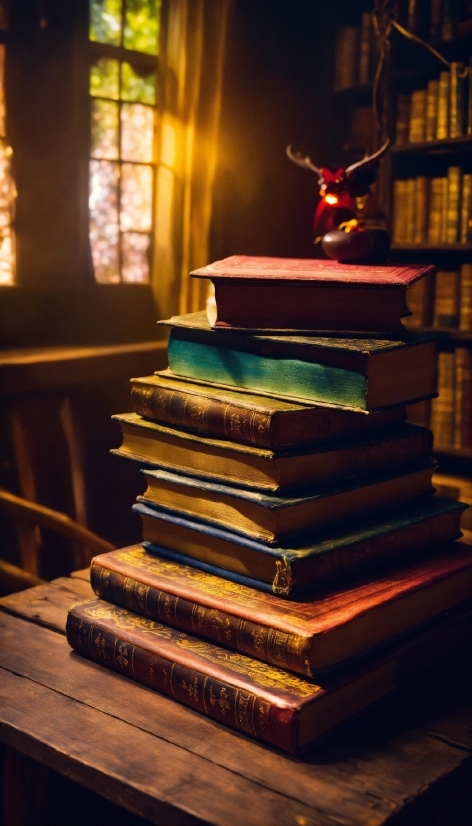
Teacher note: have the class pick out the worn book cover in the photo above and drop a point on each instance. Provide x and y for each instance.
(295, 565)
(311, 295)
(269, 516)
(251, 696)
(258, 468)
(250, 418)
(362, 374)
(305, 637)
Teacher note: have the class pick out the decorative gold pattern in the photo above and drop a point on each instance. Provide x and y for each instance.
(207, 583)
(260, 672)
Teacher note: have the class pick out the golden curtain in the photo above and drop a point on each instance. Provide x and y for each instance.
(191, 83)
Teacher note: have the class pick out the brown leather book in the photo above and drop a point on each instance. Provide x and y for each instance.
(431, 110)
(466, 210)
(447, 299)
(442, 408)
(250, 419)
(306, 637)
(454, 187)
(402, 124)
(465, 320)
(421, 210)
(457, 100)
(253, 697)
(417, 128)
(257, 468)
(442, 125)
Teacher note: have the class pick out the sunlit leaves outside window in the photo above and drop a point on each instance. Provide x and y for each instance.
(7, 192)
(123, 98)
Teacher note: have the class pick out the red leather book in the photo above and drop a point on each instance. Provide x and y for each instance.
(250, 696)
(308, 295)
(306, 637)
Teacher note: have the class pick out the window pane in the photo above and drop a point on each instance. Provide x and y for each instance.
(136, 197)
(136, 87)
(105, 79)
(7, 195)
(141, 30)
(137, 132)
(105, 21)
(103, 205)
(105, 129)
(135, 257)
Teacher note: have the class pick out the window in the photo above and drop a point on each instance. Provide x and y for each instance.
(124, 39)
(7, 186)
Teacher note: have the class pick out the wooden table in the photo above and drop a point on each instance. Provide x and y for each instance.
(405, 762)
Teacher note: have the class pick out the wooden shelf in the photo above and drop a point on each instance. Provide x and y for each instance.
(429, 248)
(42, 368)
(456, 452)
(446, 145)
(452, 334)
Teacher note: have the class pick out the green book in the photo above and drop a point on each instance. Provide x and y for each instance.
(361, 374)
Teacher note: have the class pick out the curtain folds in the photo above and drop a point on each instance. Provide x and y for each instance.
(191, 83)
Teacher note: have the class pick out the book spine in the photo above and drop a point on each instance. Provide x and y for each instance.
(436, 19)
(442, 127)
(466, 415)
(466, 210)
(409, 210)
(457, 101)
(454, 184)
(417, 117)
(431, 110)
(402, 123)
(460, 356)
(446, 303)
(181, 409)
(435, 214)
(469, 101)
(288, 651)
(220, 700)
(442, 414)
(399, 224)
(346, 58)
(421, 209)
(365, 49)
(465, 321)
(448, 27)
(444, 197)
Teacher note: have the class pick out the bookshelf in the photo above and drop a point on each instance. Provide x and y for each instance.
(431, 135)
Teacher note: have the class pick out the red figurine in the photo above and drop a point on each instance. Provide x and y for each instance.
(348, 218)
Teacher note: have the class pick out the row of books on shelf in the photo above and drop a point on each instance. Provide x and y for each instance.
(433, 211)
(442, 300)
(354, 54)
(442, 110)
(449, 415)
(356, 50)
(435, 19)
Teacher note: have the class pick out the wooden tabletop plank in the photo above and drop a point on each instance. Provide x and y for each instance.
(153, 778)
(83, 573)
(35, 368)
(48, 604)
(333, 778)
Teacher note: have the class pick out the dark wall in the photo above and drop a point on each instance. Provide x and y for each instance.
(277, 91)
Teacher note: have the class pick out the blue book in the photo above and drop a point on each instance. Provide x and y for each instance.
(297, 564)
(360, 374)
(266, 517)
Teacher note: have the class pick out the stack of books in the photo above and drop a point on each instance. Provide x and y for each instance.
(295, 561)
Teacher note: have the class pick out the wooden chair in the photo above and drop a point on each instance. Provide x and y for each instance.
(33, 515)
